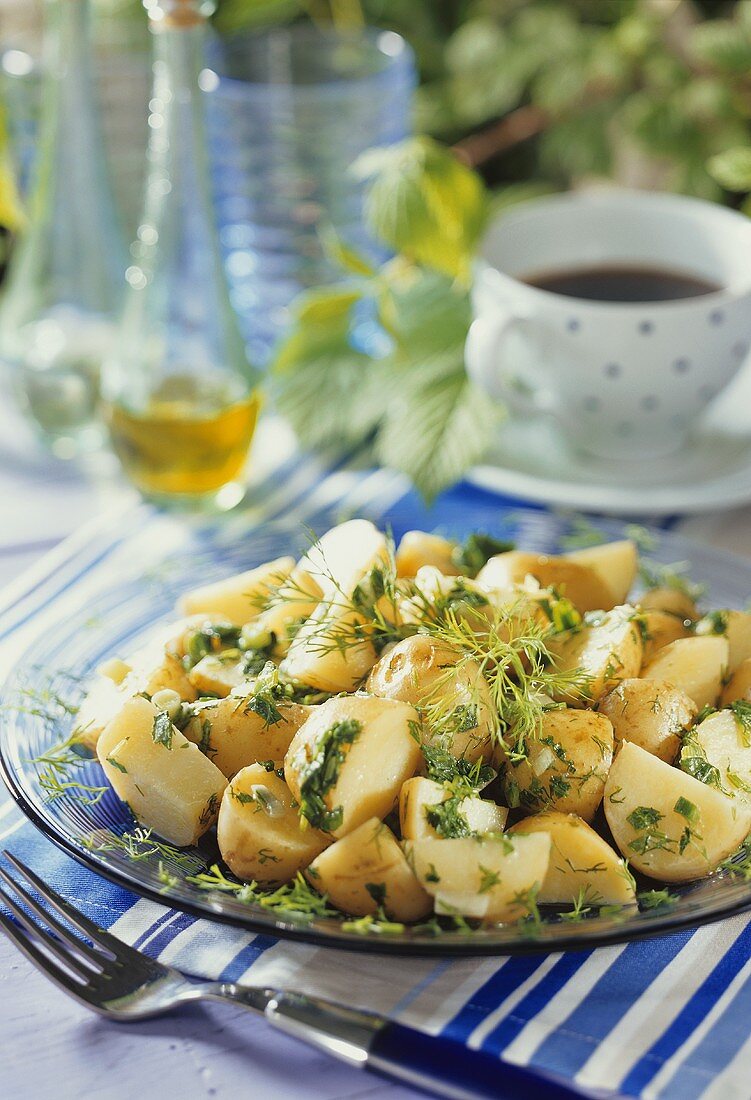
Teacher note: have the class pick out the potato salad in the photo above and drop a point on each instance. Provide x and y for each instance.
(437, 729)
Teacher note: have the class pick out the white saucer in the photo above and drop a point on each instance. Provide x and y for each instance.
(532, 460)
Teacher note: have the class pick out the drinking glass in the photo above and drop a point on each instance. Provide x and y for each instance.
(289, 111)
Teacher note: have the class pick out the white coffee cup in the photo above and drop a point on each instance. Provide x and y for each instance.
(623, 379)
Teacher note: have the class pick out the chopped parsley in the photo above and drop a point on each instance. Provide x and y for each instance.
(477, 549)
(320, 774)
(162, 731)
(447, 819)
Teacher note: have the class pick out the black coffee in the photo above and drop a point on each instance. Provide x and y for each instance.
(622, 284)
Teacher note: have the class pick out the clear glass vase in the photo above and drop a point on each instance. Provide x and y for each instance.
(65, 277)
(181, 397)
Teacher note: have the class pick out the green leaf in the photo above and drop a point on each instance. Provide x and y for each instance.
(724, 44)
(732, 168)
(344, 256)
(316, 361)
(424, 203)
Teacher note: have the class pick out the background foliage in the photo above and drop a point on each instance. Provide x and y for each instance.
(646, 92)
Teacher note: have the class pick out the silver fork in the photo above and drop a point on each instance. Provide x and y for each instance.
(120, 983)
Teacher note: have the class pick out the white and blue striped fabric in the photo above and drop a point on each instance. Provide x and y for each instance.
(665, 1018)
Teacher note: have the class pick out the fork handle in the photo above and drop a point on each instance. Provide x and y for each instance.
(432, 1063)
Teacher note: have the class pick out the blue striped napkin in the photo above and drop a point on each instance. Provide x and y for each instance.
(663, 1018)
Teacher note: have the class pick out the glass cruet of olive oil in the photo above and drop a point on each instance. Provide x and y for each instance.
(64, 282)
(181, 397)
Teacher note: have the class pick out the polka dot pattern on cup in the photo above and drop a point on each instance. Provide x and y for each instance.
(681, 366)
(649, 403)
(716, 317)
(573, 324)
(612, 370)
(646, 327)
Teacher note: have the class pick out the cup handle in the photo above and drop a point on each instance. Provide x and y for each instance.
(519, 385)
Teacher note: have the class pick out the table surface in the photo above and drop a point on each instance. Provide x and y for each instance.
(53, 1048)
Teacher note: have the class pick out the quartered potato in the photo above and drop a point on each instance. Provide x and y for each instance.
(695, 665)
(718, 751)
(348, 761)
(341, 558)
(366, 871)
(217, 673)
(581, 584)
(170, 786)
(667, 824)
(582, 864)
(739, 685)
(427, 808)
(672, 600)
(447, 687)
(289, 604)
(488, 877)
(241, 729)
(260, 832)
(418, 548)
(615, 563)
(606, 650)
(566, 766)
(238, 598)
(651, 713)
(733, 625)
(660, 628)
(316, 659)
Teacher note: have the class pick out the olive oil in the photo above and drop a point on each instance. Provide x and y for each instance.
(179, 448)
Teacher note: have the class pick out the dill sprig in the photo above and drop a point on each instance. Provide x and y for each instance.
(140, 844)
(56, 770)
(671, 575)
(295, 899)
(516, 663)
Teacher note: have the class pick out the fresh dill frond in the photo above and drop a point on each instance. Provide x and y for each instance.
(296, 899)
(139, 844)
(57, 767)
(516, 663)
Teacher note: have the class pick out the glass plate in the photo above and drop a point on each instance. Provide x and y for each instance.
(126, 610)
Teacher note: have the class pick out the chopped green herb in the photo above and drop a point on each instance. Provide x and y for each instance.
(477, 549)
(320, 774)
(162, 730)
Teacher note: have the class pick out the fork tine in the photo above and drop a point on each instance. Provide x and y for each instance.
(55, 947)
(43, 963)
(49, 920)
(92, 931)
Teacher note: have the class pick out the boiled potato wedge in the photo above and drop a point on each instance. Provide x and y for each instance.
(581, 584)
(367, 871)
(448, 687)
(615, 563)
(289, 604)
(348, 761)
(694, 665)
(660, 628)
(582, 864)
(233, 735)
(423, 812)
(418, 548)
(170, 786)
(259, 832)
(674, 601)
(565, 767)
(240, 597)
(485, 876)
(607, 649)
(667, 824)
(733, 625)
(739, 685)
(342, 557)
(722, 742)
(651, 713)
(315, 658)
(217, 673)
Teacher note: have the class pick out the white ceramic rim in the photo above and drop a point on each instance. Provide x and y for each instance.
(628, 199)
